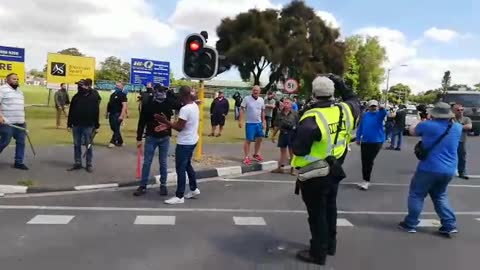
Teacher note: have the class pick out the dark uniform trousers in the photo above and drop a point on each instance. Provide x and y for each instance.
(320, 198)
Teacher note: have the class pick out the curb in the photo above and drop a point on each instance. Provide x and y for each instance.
(171, 179)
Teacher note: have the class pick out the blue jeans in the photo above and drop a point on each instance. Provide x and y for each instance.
(6, 135)
(397, 137)
(268, 119)
(115, 125)
(82, 134)
(237, 113)
(388, 130)
(151, 144)
(183, 166)
(435, 185)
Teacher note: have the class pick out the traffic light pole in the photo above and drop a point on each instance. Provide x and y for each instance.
(201, 97)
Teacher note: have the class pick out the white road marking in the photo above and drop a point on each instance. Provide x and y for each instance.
(269, 165)
(249, 221)
(155, 220)
(100, 186)
(8, 189)
(429, 223)
(342, 222)
(214, 210)
(292, 181)
(478, 219)
(51, 219)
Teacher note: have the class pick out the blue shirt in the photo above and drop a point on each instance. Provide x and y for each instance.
(294, 107)
(371, 129)
(443, 157)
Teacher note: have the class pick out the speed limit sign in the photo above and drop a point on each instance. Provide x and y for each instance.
(291, 86)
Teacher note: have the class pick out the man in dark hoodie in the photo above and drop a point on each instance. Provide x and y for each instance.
(218, 110)
(159, 101)
(83, 121)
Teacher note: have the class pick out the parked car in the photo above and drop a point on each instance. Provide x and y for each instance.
(412, 117)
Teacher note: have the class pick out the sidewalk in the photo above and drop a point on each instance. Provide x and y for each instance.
(48, 169)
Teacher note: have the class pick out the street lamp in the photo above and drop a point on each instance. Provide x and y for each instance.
(388, 80)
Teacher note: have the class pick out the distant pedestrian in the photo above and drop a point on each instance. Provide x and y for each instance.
(399, 123)
(434, 172)
(238, 102)
(12, 112)
(270, 104)
(145, 96)
(466, 123)
(116, 113)
(370, 137)
(83, 121)
(218, 111)
(389, 124)
(253, 108)
(61, 100)
(295, 107)
(285, 123)
(157, 135)
(187, 139)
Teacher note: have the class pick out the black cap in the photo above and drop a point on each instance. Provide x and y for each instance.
(81, 82)
(88, 82)
(160, 87)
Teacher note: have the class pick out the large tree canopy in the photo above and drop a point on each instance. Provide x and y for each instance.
(399, 93)
(294, 42)
(112, 69)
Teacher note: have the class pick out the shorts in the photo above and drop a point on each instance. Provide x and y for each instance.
(253, 131)
(285, 139)
(217, 120)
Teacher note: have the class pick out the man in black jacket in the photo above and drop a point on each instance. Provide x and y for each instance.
(83, 121)
(160, 101)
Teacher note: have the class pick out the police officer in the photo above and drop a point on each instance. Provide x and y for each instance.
(320, 147)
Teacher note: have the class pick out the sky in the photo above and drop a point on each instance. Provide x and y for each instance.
(427, 36)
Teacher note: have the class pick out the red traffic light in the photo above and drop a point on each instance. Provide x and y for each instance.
(194, 46)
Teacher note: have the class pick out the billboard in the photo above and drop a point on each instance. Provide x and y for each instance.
(143, 71)
(12, 60)
(69, 69)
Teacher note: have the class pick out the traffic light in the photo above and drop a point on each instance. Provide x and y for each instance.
(200, 62)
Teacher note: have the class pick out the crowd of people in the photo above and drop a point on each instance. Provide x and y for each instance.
(313, 138)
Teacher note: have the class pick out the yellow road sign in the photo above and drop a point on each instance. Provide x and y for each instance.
(69, 69)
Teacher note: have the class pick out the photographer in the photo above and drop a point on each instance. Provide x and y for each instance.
(285, 123)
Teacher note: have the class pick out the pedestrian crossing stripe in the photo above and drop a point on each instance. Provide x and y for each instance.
(154, 220)
(51, 219)
(429, 223)
(249, 221)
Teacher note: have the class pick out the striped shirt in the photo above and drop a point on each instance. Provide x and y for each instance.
(12, 105)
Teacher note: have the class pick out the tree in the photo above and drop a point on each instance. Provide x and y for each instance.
(308, 47)
(36, 73)
(428, 97)
(399, 93)
(352, 67)
(459, 87)
(446, 80)
(248, 41)
(112, 69)
(370, 56)
(68, 51)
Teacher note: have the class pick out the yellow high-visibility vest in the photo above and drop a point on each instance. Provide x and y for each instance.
(327, 120)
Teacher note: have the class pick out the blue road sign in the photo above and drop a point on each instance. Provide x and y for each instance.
(12, 54)
(143, 71)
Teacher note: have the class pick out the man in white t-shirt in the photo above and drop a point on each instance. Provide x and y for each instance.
(12, 112)
(253, 108)
(187, 138)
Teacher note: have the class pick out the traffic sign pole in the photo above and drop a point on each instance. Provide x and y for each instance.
(201, 97)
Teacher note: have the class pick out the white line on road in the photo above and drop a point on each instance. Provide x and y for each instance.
(341, 222)
(215, 210)
(249, 221)
(51, 219)
(290, 182)
(429, 223)
(155, 220)
(100, 186)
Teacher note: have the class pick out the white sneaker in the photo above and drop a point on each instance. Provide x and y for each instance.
(111, 145)
(192, 194)
(364, 185)
(175, 200)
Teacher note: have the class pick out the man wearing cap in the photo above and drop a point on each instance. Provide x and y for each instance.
(440, 137)
(218, 110)
(319, 148)
(157, 134)
(83, 120)
(370, 137)
(116, 113)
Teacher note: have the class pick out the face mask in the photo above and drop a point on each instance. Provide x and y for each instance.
(160, 96)
(149, 89)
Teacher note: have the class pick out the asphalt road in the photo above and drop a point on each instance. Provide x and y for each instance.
(249, 222)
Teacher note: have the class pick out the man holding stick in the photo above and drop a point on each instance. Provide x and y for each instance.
(12, 114)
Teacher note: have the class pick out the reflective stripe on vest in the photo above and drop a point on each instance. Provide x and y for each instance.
(324, 117)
